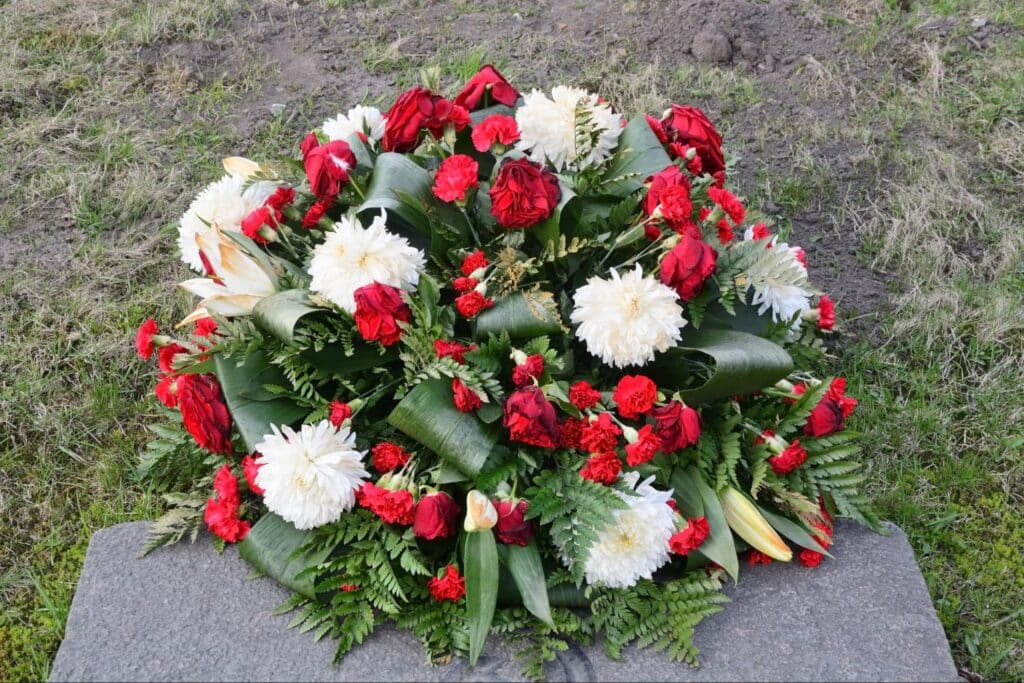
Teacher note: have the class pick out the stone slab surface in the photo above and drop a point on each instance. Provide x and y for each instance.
(187, 613)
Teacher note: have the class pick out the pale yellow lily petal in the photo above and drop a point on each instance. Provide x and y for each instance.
(231, 304)
(202, 287)
(240, 166)
(241, 273)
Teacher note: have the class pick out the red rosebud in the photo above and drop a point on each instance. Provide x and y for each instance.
(249, 469)
(312, 217)
(688, 266)
(488, 80)
(584, 396)
(677, 426)
(453, 350)
(523, 194)
(690, 127)
(466, 400)
(472, 303)
(204, 413)
(635, 396)
(379, 309)
(339, 412)
(449, 586)
(600, 435)
(205, 327)
(530, 418)
(791, 457)
(473, 263)
(167, 391)
(826, 313)
(570, 431)
(602, 468)
(327, 167)
(436, 516)
(729, 203)
(464, 284)
(455, 176)
(511, 528)
(696, 532)
(531, 369)
(497, 128)
(644, 448)
(830, 414)
(388, 456)
(144, 344)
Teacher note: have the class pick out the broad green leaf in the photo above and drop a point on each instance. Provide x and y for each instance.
(522, 315)
(272, 547)
(565, 216)
(792, 530)
(719, 546)
(523, 563)
(428, 415)
(332, 358)
(639, 155)
(252, 407)
(480, 563)
(742, 363)
(278, 314)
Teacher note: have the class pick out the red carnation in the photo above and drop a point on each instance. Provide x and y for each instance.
(530, 418)
(144, 344)
(466, 400)
(812, 558)
(755, 557)
(532, 368)
(487, 81)
(312, 217)
(165, 356)
(600, 435)
(602, 468)
(826, 313)
(725, 233)
(570, 431)
(760, 232)
(523, 194)
(388, 456)
(472, 303)
(393, 507)
(221, 514)
(167, 390)
(635, 396)
(584, 396)
(327, 167)
(688, 266)
(473, 263)
(644, 448)
(252, 225)
(204, 413)
(379, 309)
(249, 469)
(677, 426)
(670, 176)
(690, 538)
(464, 284)
(450, 586)
(676, 209)
(800, 255)
(205, 327)
(436, 516)
(339, 412)
(729, 203)
(689, 127)
(497, 129)
(282, 197)
(791, 457)
(511, 528)
(455, 176)
(831, 412)
(453, 350)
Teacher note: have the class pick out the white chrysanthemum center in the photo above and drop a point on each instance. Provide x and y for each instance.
(570, 130)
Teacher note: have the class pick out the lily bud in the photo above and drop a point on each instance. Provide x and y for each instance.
(241, 166)
(748, 523)
(479, 273)
(480, 512)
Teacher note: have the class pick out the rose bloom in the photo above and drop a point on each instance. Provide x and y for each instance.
(405, 120)
(644, 448)
(689, 127)
(831, 412)
(456, 175)
(465, 399)
(204, 413)
(379, 308)
(450, 586)
(677, 426)
(600, 435)
(339, 412)
(523, 194)
(495, 129)
(472, 303)
(688, 266)
(530, 418)
(487, 82)
(635, 396)
(511, 528)
(584, 396)
(388, 456)
(696, 532)
(327, 166)
(436, 516)
(602, 468)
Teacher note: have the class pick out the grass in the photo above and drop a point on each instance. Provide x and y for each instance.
(106, 138)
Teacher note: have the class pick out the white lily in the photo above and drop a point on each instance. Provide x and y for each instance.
(245, 168)
(241, 280)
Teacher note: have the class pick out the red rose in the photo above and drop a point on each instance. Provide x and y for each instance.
(687, 266)
(486, 81)
(405, 120)
(831, 412)
(826, 313)
(473, 263)
(523, 194)
(388, 456)
(644, 448)
(312, 217)
(600, 435)
(677, 426)
(144, 344)
(472, 303)
(584, 396)
(464, 284)
(204, 413)
(453, 350)
(379, 308)
(327, 167)
(466, 400)
(450, 586)
(249, 469)
(531, 369)
(499, 129)
(570, 431)
(436, 516)
(729, 202)
(602, 468)
(635, 396)
(339, 413)
(455, 176)
(167, 390)
(791, 457)
(205, 327)
(690, 538)
(689, 127)
(511, 528)
(443, 115)
(530, 418)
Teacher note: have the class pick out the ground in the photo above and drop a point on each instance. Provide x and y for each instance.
(886, 137)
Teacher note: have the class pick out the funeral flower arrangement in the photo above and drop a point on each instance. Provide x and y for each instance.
(503, 363)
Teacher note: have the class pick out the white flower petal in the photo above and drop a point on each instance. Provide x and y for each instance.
(548, 128)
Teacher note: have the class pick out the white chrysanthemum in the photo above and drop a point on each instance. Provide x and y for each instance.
(784, 293)
(570, 130)
(222, 203)
(352, 256)
(624, 320)
(366, 120)
(635, 544)
(311, 476)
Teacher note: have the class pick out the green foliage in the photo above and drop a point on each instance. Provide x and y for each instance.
(184, 516)
(172, 461)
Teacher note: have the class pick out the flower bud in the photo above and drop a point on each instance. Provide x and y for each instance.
(518, 356)
(748, 523)
(241, 166)
(481, 288)
(784, 385)
(691, 152)
(479, 273)
(631, 434)
(480, 512)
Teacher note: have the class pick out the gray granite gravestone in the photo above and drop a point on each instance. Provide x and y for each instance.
(187, 613)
